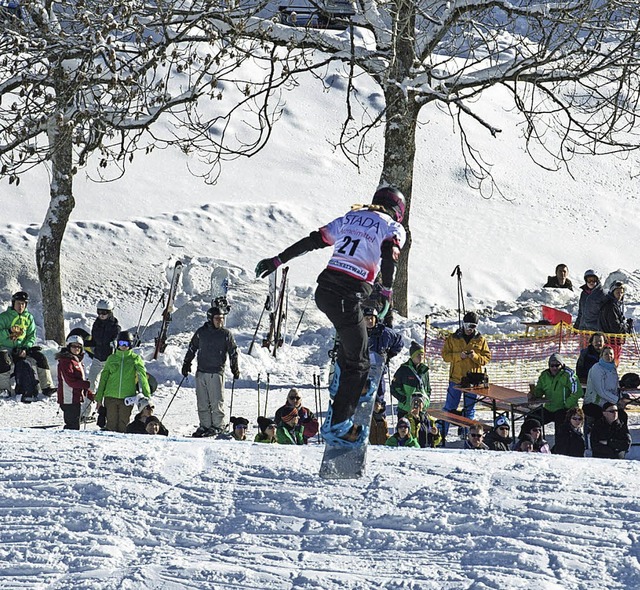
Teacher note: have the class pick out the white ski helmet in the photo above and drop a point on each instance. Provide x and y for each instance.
(104, 304)
(75, 340)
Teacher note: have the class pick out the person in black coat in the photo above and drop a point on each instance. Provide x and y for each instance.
(569, 436)
(498, 439)
(590, 355)
(560, 280)
(103, 332)
(139, 424)
(610, 438)
(612, 320)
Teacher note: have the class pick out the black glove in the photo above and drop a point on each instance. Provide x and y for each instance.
(186, 369)
(630, 324)
(266, 266)
(236, 373)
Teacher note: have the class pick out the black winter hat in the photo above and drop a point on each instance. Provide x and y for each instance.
(529, 424)
(236, 421)
(264, 423)
(471, 317)
(415, 347)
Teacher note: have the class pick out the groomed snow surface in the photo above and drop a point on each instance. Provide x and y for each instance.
(94, 510)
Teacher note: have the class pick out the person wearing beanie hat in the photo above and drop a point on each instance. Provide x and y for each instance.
(412, 377)
(240, 427)
(591, 300)
(402, 436)
(532, 428)
(267, 432)
(466, 351)
(307, 419)
(559, 387)
(152, 425)
(612, 320)
(524, 444)
(561, 279)
(498, 439)
(73, 386)
(385, 341)
(609, 437)
(290, 431)
(139, 423)
(212, 343)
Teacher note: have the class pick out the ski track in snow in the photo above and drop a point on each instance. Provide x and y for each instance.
(92, 510)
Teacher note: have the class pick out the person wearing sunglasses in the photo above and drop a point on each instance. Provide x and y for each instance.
(532, 428)
(267, 431)
(306, 418)
(560, 389)
(466, 351)
(402, 437)
(474, 440)
(239, 427)
(104, 331)
(212, 343)
(609, 437)
(498, 439)
(570, 437)
(73, 386)
(123, 373)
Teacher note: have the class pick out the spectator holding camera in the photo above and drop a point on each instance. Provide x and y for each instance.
(423, 427)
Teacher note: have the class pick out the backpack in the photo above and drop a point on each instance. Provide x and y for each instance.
(26, 382)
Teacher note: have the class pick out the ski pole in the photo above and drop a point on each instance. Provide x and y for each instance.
(461, 309)
(320, 437)
(295, 332)
(144, 328)
(255, 334)
(173, 397)
(258, 385)
(266, 395)
(233, 388)
(144, 304)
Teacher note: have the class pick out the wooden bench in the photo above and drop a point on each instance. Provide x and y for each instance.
(456, 419)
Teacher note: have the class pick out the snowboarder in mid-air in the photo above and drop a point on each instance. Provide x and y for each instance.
(365, 241)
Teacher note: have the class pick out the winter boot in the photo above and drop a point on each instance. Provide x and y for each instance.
(200, 432)
(343, 434)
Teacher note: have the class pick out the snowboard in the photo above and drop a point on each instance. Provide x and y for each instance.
(220, 280)
(349, 462)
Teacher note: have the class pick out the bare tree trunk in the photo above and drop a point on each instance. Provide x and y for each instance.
(52, 231)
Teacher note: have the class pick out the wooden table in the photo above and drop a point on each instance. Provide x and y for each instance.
(504, 399)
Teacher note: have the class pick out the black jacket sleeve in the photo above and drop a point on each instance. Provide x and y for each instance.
(313, 241)
(390, 253)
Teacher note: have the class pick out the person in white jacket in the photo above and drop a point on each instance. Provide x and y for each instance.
(602, 385)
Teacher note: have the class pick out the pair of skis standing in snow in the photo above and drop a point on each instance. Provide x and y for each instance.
(365, 241)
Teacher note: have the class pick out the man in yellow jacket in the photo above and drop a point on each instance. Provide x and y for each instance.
(466, 351)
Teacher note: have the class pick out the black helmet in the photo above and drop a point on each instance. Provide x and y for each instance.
(370, 311)
(20, 296)
(212, 311)
(392, 200)
(125, 336)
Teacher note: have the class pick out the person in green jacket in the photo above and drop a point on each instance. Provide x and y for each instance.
(122, 374)
(289, 431)
(412, 377)
(560, 388)
(267, 432)
(17, 340)
(402, 436)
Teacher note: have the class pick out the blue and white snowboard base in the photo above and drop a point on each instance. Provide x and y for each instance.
(349, 462)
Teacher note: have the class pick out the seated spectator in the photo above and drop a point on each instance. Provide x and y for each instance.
(474, 438)
(267, 432)
(289, 431)
(569, 437)
(590, 355)
(610, 438)
(602, 385)
(306, 418)
(139, 424)
(379, 430)
(533, 429)
(240, 426)
(402, 436)
(524, 444)
(423, 426)
(623, 402)
(412, 377)
(153, 425)
(561, 390)
(560, 280)
(498, 439)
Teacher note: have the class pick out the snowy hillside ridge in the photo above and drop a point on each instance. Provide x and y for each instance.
(105, 511)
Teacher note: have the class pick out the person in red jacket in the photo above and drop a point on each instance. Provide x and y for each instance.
(73, 386)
